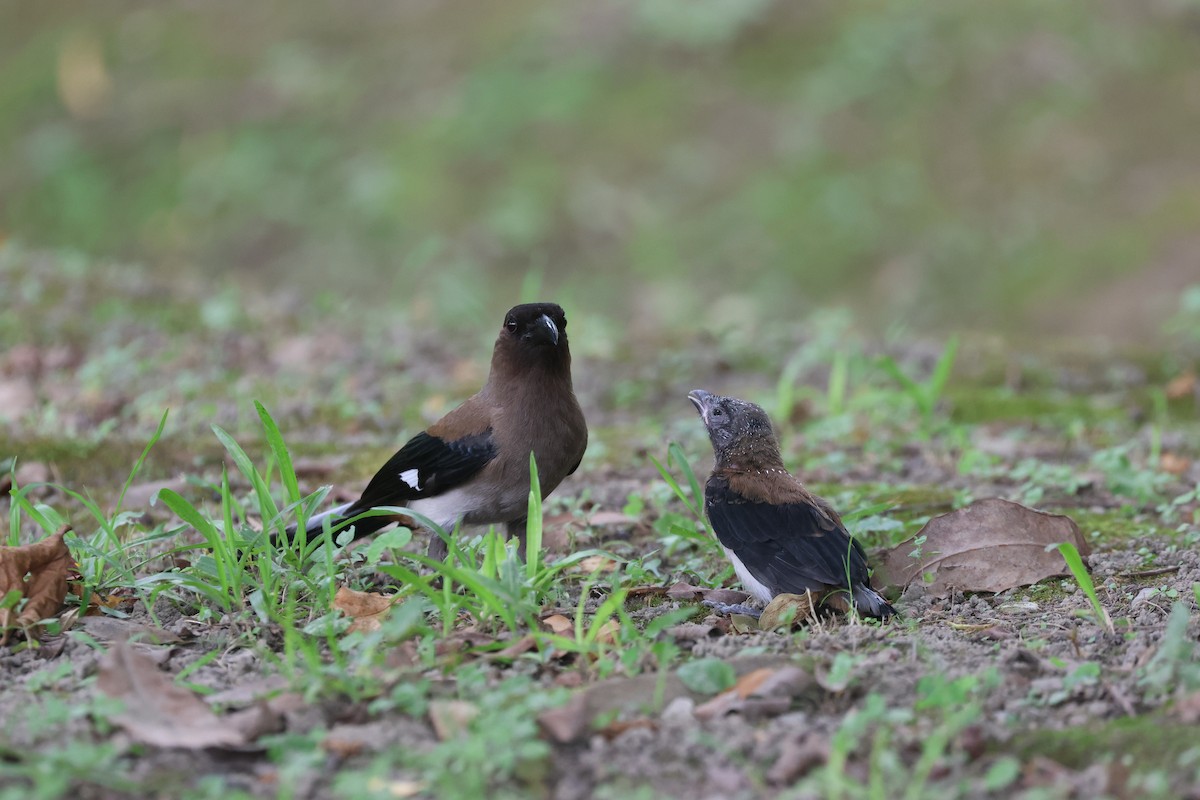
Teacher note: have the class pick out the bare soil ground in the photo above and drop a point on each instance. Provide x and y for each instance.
(1021, 693)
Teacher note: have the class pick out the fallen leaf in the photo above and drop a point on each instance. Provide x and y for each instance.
(798, 756)
(451, 718)
(618, 726)
(1181, 386)
(767, 690)
(593, 564)
(346, 740)
(645, 592)
(623, 697)
(1187, 708)
(1174, 464)
(685, 591)
(516, 648)
(558, 624)
(113, 629)
(46, 563)
(989, 546)
(692, 631)
(157, 712)
(751, 681)
(608, 632)
(602, 519)
(263, 687)
(786, 609)
(255, 721)
(366, 609)
(566, 723)
(400, 789)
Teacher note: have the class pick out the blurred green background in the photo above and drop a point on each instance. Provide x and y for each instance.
(1027, 166)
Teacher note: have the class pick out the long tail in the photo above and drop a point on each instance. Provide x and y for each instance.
(338, 517)
(870, 603)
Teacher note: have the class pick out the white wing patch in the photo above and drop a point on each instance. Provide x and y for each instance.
(412, 477)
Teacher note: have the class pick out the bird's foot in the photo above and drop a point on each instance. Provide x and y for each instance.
(729, 609)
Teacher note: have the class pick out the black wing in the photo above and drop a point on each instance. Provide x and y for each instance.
(789, 547)
(425, 467)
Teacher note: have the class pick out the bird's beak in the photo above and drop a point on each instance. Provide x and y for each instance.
(702, 400)
(544, 331)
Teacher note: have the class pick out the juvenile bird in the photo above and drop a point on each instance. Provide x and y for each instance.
(472, 465)
(779, 536)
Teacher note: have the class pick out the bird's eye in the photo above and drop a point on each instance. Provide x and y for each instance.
(511, 324)
(718, 412)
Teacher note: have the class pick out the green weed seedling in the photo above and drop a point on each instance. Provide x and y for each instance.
(924, 394)
(1080, 573)
(485, 577)
(1175, 667)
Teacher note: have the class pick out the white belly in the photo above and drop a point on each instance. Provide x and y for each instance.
(749, 582)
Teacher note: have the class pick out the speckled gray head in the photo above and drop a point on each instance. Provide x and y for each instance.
(731, 420)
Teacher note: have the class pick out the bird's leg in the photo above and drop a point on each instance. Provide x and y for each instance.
(728, 609)
(517, 528)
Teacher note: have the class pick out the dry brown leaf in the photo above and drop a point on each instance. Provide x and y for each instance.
(608, 632)
(568, 722)
(685, 591)
(399, 789)
(786, 609)
(158, 712)
(764, 691)
(451, 718)
(602, 519)
(367, 609)
(643, 592)
(989, 546)
(1181, 386)
(624, 698)
(1174, 463)
(618, 726)
(47, 564)
(750, 682)
(594, 564)
(798, 756)
(559, 624)
(516, 647)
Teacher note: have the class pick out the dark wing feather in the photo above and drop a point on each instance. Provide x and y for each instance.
(440, 466)
(789, 547)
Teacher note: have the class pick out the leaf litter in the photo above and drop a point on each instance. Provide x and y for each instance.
(157, 711)
(37, 573)
(651, 730)
(992, 545)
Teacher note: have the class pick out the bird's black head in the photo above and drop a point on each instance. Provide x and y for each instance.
(741, 432)
(536, 325)
(533, 341)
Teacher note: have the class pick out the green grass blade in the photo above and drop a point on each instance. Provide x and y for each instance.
(267, 508)
(287, 473)
(1080, 573)
(941, 371)
(676, 455)
(137, 466)
(533, 523)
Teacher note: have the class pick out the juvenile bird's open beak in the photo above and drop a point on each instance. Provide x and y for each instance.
(702, 400)
(544, 331)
